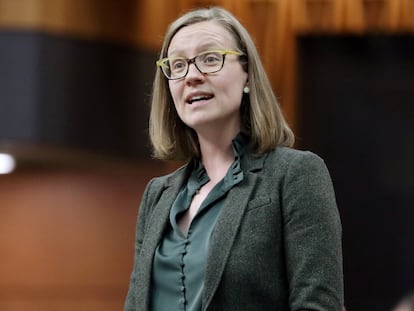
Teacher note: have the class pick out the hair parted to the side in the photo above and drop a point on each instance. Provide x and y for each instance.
(261, 115)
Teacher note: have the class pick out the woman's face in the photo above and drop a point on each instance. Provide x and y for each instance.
(207, 102)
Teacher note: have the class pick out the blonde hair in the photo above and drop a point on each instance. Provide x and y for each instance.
(261, 116)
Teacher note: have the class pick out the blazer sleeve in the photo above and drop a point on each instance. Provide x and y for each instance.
(130, 302)
(312, 236)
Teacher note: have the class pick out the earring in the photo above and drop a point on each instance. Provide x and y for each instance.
(246, 90)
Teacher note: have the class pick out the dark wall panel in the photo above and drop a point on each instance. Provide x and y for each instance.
(19, 94)
(74, 93)
(357, 112)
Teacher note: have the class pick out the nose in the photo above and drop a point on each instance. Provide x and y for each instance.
(193, 73)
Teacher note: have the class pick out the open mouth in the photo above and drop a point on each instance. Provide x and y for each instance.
(199, 98)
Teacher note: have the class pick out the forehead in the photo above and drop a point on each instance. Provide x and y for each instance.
(200, 36)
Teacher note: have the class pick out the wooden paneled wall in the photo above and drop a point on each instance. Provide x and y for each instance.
(274, 24)
(67, 236)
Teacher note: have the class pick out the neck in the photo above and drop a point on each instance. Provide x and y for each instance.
(217, 154)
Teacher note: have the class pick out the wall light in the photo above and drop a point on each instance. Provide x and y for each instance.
(7, 163)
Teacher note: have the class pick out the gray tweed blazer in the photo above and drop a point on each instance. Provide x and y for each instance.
(276, 244)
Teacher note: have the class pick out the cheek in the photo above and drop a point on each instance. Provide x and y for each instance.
(235, 89)
(174, 90)
(239, 82)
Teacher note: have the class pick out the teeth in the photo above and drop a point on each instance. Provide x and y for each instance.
(201, 97)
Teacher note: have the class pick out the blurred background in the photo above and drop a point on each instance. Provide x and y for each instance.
(75, 81)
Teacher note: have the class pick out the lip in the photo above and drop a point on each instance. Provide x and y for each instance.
(194, 94)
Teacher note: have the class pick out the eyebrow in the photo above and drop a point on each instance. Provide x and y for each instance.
(202, 48)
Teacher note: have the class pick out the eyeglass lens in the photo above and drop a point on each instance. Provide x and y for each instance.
(207, 62)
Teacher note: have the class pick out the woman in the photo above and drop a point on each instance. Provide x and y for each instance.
(248, 223)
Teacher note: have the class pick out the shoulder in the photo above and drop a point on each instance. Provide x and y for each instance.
(293, 165)
(289, 158)
(172, 178)
(157, 185)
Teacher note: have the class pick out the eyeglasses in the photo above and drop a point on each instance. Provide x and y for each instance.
(175, 68)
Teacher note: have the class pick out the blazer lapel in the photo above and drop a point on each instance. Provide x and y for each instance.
(154, 232)
(228, 224)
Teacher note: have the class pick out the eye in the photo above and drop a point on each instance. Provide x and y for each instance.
(178, 64)
(211, 58)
